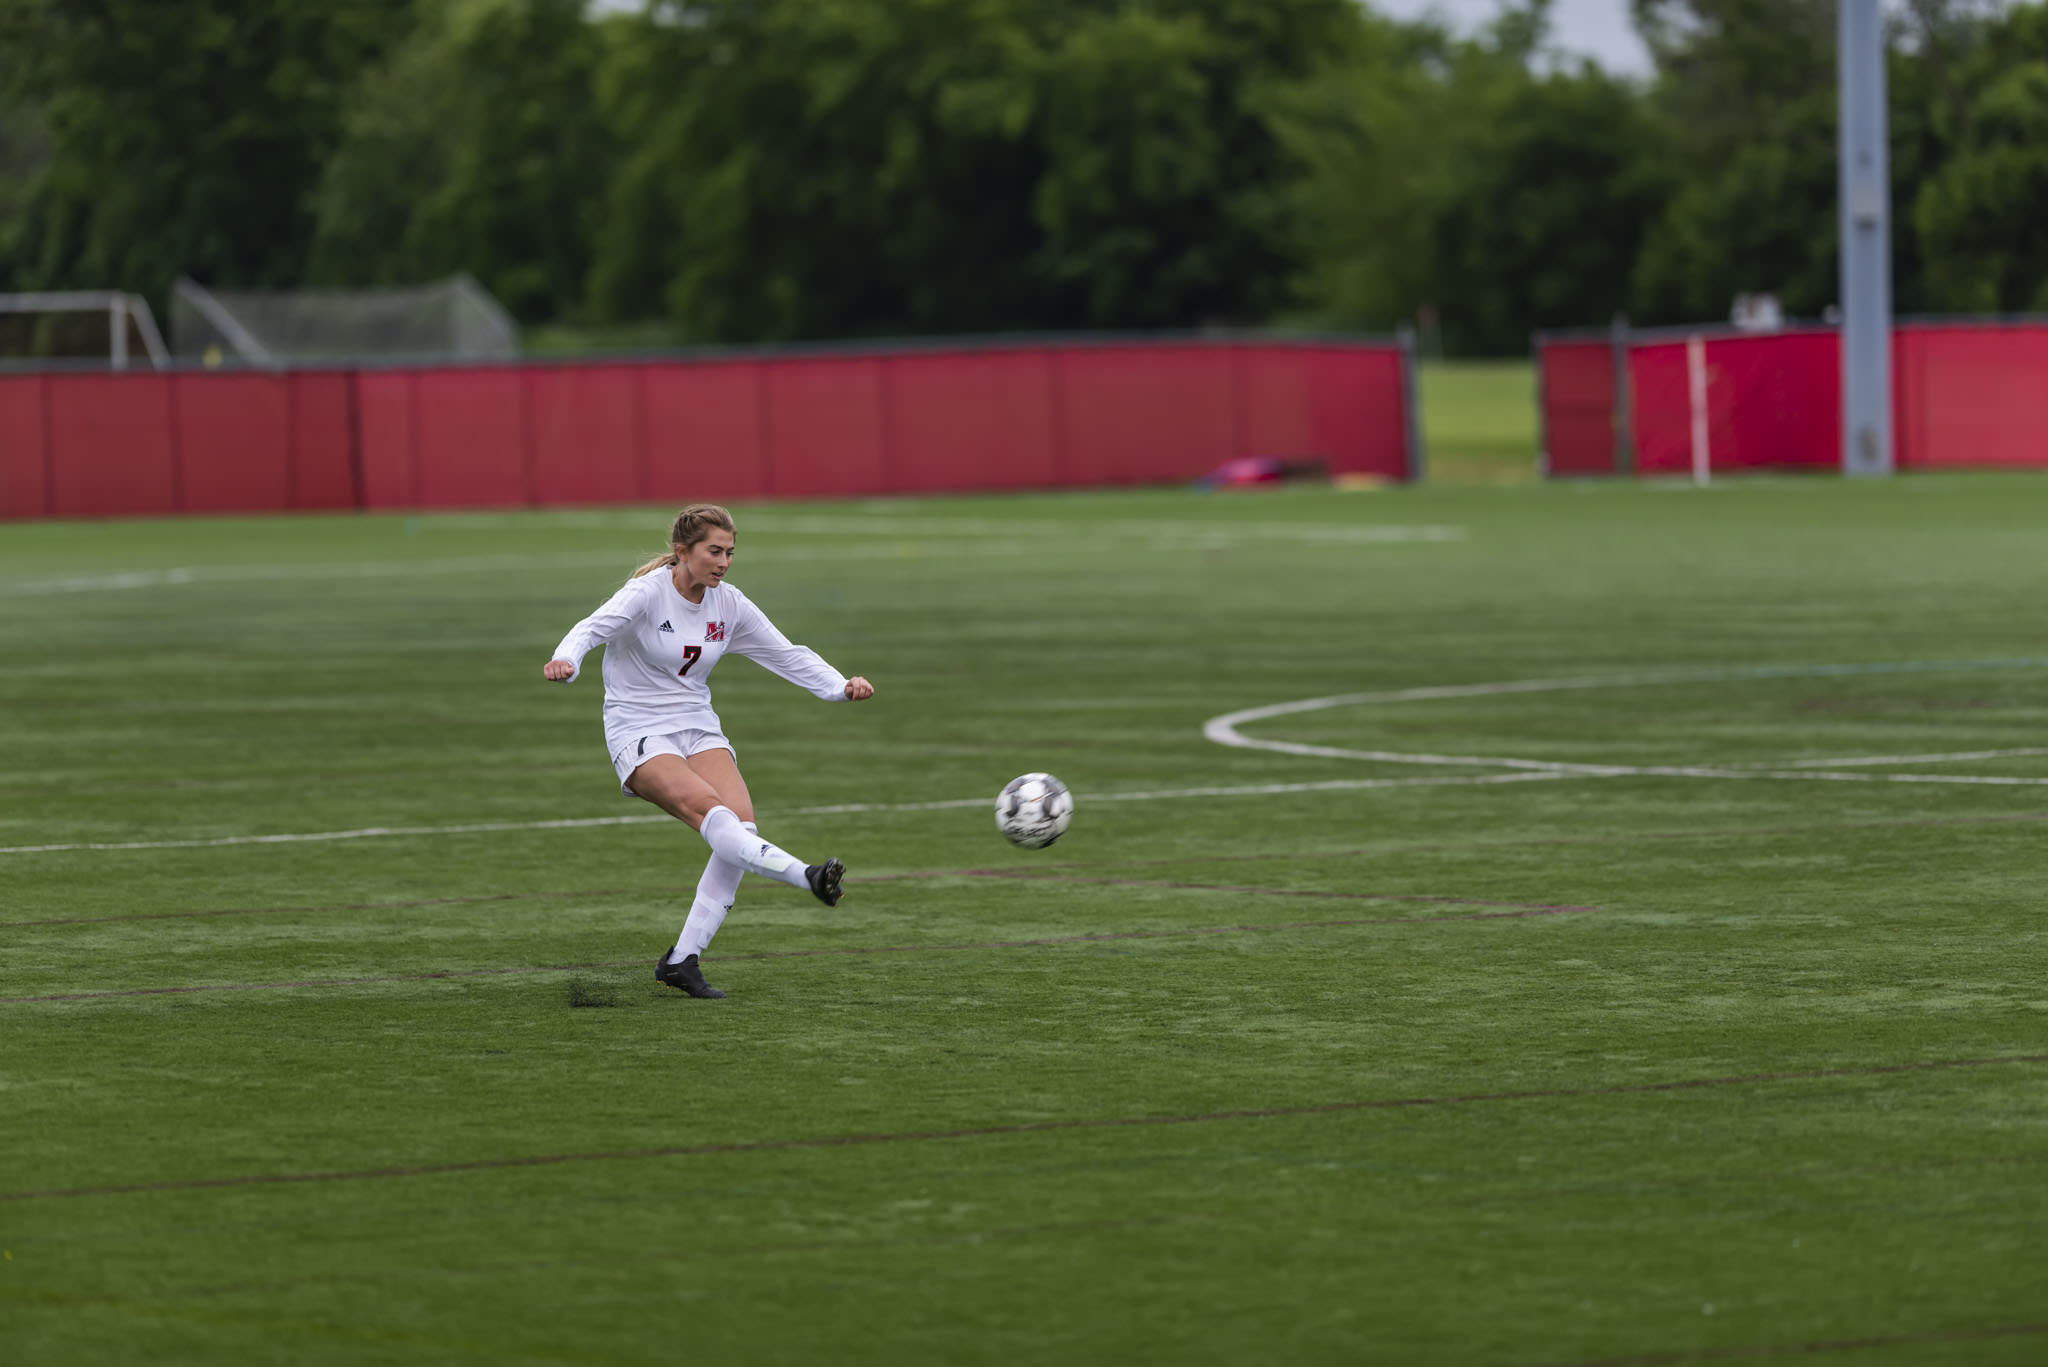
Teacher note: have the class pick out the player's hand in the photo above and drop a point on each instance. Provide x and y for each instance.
(858, 689)
(557, 671)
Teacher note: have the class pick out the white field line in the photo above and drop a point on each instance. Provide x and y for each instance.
(1153, 795)
(1951, 757)
(1224, 730)
(1157, 795)
(1989, 780)
(1006, 529)
(1003, 529)
(428, 568)
(835, 809)
(1016, 543)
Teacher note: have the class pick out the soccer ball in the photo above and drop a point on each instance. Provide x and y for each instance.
(1033, 810)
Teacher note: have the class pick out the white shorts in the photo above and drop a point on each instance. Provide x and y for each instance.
(684, 743)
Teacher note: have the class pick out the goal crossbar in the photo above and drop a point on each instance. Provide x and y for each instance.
(119, 308)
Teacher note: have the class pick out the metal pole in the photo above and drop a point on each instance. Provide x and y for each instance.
(1416, 458)
(1865, 192)
(145, 323)
(117, 329)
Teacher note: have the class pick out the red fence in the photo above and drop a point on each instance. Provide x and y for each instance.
(1579, 402)
(1963, 395)
(1763, 405)
(1970, 395)
(814, 425)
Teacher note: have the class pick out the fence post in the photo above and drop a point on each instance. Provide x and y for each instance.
(1624, 406)
(1411, 414)
(1696, 387)
(49, 447)
(358, 480)
(1542, 407)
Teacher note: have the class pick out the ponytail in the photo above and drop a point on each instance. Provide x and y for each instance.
(651, 566)
(692, 525)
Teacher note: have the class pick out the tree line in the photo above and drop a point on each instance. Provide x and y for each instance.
(771, 170)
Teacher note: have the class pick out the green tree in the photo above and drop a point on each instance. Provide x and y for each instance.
(1726, 68)
(475, 147)
(1983, 215)
(183, 135)
(1747, 89)
(809, 168)
(1450, 174)
(1376, 138)
(1759, 216)
(1551, 211)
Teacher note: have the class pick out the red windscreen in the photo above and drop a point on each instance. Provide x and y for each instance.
(1346, 406)
(112, 446)
(587, 437)
(473, 432)
(794, 426)
(24, 448)
(827, 427)
(231, 428)
(384, 439)
(323, 442)
(1146, 414)
(705, 430)
(1970, 396)
(964, 420)
(1772, 402)
(1576, 384)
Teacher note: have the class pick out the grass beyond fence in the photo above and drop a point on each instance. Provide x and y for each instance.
(1479, 420)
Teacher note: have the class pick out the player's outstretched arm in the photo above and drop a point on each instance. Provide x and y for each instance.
(615, 615)
(755, 637)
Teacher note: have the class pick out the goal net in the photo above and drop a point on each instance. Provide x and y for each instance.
(98, 327)
(452, 319)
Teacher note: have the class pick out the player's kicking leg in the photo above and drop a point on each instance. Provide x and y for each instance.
(707, 793)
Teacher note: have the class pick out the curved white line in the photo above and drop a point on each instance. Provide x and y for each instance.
(1949, 757)
(1223, 730)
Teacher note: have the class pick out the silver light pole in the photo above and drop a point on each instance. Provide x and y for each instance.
(1865, 192)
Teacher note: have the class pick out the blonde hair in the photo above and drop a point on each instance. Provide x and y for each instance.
(692, 525)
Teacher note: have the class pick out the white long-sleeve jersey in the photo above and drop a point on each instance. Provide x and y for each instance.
(660, 649)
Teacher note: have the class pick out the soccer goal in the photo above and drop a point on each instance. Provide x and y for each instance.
(449, 320)
(105, 326)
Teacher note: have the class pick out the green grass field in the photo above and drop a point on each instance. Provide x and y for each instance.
(1479, 421)
(1682, 1002)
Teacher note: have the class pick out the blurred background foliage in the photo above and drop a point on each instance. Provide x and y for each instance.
(769, 170)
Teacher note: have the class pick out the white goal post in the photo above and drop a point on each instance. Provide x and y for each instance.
(120, 309)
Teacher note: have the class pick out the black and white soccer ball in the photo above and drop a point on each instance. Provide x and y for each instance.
(1033, 810)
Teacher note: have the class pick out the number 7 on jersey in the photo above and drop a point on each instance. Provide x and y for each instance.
(691, 654)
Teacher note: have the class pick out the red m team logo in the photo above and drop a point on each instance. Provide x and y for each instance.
(714, 631)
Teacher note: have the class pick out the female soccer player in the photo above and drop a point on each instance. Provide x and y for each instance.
(663, 633)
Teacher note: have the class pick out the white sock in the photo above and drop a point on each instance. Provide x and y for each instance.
(734, 843)
(715, 893)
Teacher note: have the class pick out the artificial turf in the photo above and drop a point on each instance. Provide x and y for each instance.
(1712, 1047)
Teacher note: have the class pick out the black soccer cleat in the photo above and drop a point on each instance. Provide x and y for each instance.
(824, 880)
(685, 977)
